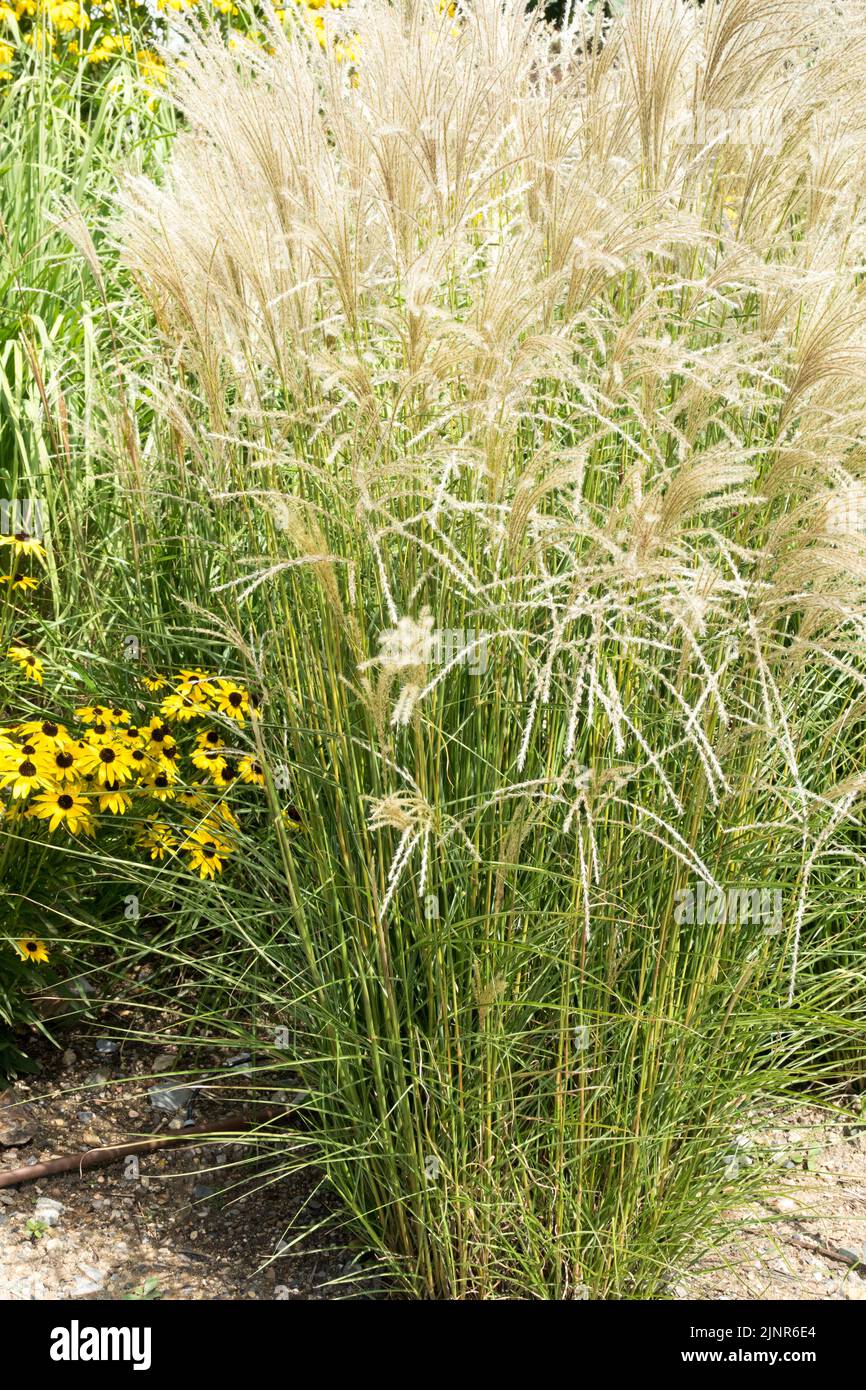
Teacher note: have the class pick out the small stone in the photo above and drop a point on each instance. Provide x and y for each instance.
(171, 1098)
(106, 1047)
(48, 1211)
(69, 1058)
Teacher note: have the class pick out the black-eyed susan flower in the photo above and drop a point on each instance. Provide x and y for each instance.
(33, 666)
(208, 760)
(291, 818)
(44, 732)
(185, 704)
(59, 762)
(108, 761)
(91, 714)
(114, 799)
(32, 949)
(232, 700)
(24, 777)
(157, 839)
(209, 738)
(24, 582)
(160, 785)
(61, 807)
(250, 770)
(154, 683)
(158, 736)
(23, 543)
(206, 854)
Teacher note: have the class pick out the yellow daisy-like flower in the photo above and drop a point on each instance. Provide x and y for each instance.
(160, 785)
(24, 544)
(188, 702)
(232, 700)
(290, 817)
(115, 800)
(209, 760)
(33, 666)
(24, 581)
(154, 683)
(92, 714)
(206, 855)
(159, 737)
(25, 777)
(44, 733)
(250, 770)
(30, 948)
(158, 839)
(108, 761)
(60, 807)
(59, 763)
(209, 738)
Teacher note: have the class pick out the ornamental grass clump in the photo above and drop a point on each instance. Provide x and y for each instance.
(516, 385)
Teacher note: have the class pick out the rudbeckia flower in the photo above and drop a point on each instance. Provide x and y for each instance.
(25, 777)
(232, 700)
(250, 770)
(30, 948)
(110, 762)
(32, 665)
(158, 839)
(60, 807)
(24, 544)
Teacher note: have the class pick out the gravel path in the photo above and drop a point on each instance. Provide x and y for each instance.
(200, 1221)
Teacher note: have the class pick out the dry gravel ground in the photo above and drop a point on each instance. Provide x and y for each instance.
(809, 1240)
(203, 1221)
(200, 1221)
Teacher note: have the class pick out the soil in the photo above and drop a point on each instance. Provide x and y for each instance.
(197, 1221)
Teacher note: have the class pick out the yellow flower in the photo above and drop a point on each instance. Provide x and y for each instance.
(209, 738)
(25, 777)
(232, 700)
(158, 839)
(154, 683)
(60, 807)
(33, 666)
(209, 760)
(109, 761)
(25, 581)
(114, 800)
(160, 785)
(24, 544)
(290, 817)
(185, 704)
(159, 737)
(45, 733)
(29, 948)
(59, 764)
(206, 854)
(251, 771)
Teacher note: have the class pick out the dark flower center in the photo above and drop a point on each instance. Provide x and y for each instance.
(63, 760)
(27, 769)
(50, 730)
(107, 755)
(65, 802)
(235, 698)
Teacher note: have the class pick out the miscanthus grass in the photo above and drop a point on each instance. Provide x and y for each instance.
(506, 428)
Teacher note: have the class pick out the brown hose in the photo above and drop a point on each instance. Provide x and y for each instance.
(234, 1125)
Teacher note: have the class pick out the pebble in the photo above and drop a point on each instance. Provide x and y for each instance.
(48, 1211)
